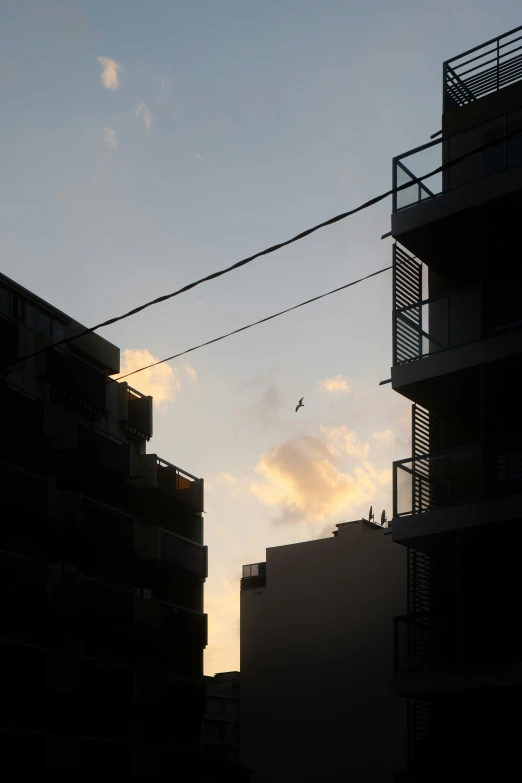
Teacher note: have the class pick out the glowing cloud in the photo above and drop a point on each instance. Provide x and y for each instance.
(342, 440)
(110, 74)
(301, 477)
(161, 382)
(337, 385)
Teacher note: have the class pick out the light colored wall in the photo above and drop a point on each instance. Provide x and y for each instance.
(316, 661)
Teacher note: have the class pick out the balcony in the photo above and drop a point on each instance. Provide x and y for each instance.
(155, 543)
(437, 324)
(429, 642)
(179, 484)
(419, 162)
(454, 477)
(482, 70)
(73, 380)
(173, 623)
(135, 412)
(102, 452)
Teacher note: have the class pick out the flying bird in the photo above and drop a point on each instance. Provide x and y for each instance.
(301, 404)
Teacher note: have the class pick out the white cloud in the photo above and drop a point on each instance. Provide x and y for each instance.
(337, 385)
(110, 74)
(161, 382)
(191, 372)
(143, 112)
(109, 134)
(342, 440)
(301, 476)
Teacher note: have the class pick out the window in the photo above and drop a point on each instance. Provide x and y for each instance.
(40, 321)
(5, 302)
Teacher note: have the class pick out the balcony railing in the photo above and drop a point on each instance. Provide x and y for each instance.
(156, 543)
(419, 162)
(456, 476)
(428, 641)
(179, 484)
(484, 69)
(437, 324)
(74, 379)
(437, 480)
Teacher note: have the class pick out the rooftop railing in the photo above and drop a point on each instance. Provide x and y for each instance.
(411, 166)
(482, 70)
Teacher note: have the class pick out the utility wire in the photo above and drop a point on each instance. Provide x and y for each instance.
(268, 250)
(249, 326)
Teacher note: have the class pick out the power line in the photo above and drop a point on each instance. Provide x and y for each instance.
(265, 252)
(249, 326)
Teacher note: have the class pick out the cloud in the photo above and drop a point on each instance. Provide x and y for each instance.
(198, 156)
(302, 477)
(143, 112)
(109, 134)
(161, 382)
(191, 372)
(110, 74)
(337, 385)
(342, 440)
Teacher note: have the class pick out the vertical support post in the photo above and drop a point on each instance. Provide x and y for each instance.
(498, 63)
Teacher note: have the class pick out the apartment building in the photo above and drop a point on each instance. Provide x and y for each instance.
(102, 566)
(457, 353)
(221, 729)
(316, 659)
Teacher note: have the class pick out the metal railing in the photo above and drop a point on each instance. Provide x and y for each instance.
(494, 65)
(437, 324)
(431, 641)
(416, 163)
(180, 484)
(461, 475)
(437, 480)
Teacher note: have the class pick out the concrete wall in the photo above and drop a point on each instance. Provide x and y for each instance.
(316, 661)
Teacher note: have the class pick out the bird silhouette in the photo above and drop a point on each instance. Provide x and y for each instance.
(301, 404)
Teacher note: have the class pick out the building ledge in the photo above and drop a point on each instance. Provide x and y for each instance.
(419, 683)
(467, 515)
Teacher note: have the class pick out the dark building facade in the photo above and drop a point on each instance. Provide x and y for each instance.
(221, 729)
(102, 567)
(457, 357)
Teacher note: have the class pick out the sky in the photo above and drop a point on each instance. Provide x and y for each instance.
(146, 144)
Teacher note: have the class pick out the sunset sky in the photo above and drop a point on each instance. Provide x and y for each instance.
(146, 144)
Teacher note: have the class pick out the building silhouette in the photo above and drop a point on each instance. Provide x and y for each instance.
(316, 659)
(221, 729)
(457, 354)
(102, 567)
